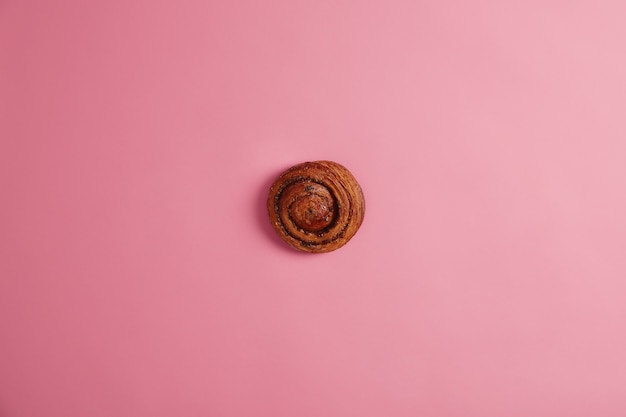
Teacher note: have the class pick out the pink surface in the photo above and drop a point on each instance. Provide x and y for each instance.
(139, 275)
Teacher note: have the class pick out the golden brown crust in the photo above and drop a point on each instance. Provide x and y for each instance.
(316, 206)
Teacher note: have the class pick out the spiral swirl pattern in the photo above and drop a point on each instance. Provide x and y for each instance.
(316, 206)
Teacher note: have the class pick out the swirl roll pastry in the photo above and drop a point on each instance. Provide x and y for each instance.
(316, 206)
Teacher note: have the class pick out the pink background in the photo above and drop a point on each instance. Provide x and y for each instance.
(139, 275)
